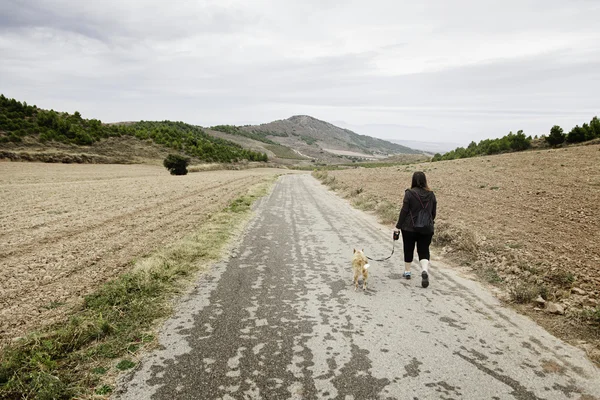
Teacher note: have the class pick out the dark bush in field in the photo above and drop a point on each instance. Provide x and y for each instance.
(176, 164)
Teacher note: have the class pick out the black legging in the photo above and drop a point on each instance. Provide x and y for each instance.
(422, 240)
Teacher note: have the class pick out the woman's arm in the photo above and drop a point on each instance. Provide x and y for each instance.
(403, 211)
(434, 209)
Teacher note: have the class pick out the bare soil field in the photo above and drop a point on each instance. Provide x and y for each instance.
(66, 229)
(527, 222)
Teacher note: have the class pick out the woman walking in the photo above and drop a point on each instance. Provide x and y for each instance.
(416, 223)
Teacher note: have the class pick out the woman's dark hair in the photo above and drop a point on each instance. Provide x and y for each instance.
(419, 180)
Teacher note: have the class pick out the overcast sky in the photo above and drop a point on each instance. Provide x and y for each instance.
(434, 70)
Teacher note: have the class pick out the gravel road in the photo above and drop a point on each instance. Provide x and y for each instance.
(280, 319)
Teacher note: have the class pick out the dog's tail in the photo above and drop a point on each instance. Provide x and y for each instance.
(367, 266)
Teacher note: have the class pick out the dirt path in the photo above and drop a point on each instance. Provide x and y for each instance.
(65, 229)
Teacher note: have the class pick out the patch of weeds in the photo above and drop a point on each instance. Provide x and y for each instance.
(132, 348)
(525, 266)
(482, 186)
(105, 350)
(241, 204)
(329, 180)
(495, 188)
(320, 175)
(332, 183)
(100, 370)
(53, 304)
(365, 203)
(490, 275)
(387, 212)
(458, 237)
(543, 291)
(561, 278)
(124, 365)
(104, 390)
(524, 293)
(592, 315)
(356, 192)
(114, 320)
(515, 245)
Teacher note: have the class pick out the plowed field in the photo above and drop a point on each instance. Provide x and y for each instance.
(65, 229)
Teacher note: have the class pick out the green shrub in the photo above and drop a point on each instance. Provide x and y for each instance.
(104, 390)
(592, 315)
(176, 164)
(308, 140)
(595, 127)
(125, 364)
(436, 157)
(577, 135)
(561, 278)
(556, 136)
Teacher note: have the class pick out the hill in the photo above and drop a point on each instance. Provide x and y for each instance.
(258, 141)
(24, 127)
(324, 141)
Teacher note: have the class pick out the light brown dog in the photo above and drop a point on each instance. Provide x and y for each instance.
(360, 265)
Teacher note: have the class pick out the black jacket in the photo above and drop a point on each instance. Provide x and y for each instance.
(411, 207)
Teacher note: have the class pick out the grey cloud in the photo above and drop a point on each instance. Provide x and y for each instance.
(20, 15)
(209, 62)
(146, 22)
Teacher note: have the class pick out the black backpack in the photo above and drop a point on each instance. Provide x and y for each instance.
(423, 223)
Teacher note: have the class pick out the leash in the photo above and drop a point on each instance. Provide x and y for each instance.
(395, 237)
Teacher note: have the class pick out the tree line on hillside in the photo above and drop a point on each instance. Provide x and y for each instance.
(519, 142)
(577, 135)
(508, 143)
(19, 120)
(254, 134)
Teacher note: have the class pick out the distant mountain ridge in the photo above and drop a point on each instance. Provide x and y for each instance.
(431, 147)
(312, 136)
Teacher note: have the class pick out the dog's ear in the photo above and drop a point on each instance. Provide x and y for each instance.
(354, 251)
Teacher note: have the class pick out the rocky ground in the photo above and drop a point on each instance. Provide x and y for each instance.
(65, 229)
(527, 223)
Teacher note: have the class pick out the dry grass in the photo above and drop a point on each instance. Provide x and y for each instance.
(456, 238)
(387, 212)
